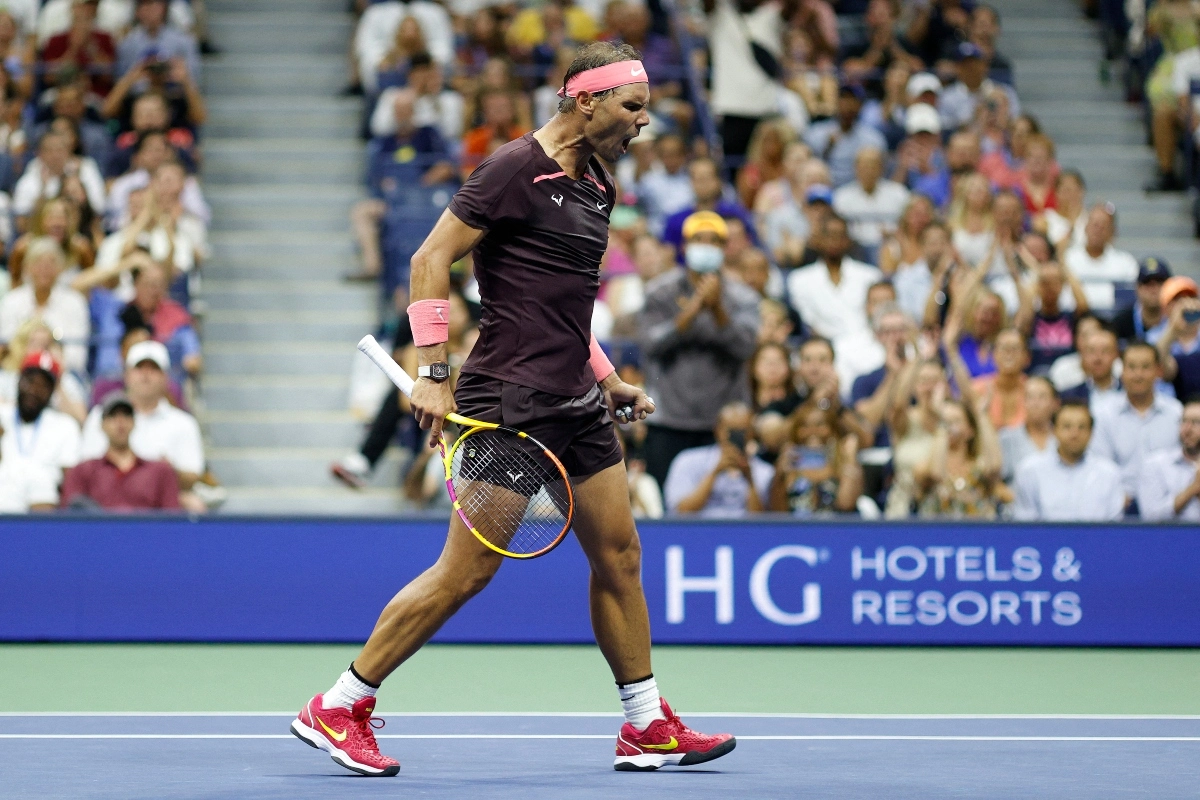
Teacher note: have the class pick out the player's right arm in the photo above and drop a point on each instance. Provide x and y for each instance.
(450, 240)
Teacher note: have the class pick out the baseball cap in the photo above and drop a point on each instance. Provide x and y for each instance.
(705, 222)
(149, 351)
(967, 50)
(1153, 268)
(922, 118)
(819, 193)
(44, 361)
(114, 401)
(1179, 286)
(923, 82)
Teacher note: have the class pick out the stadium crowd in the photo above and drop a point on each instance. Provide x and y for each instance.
(103, 231)
(847, 266)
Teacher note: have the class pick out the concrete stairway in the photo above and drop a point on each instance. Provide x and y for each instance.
(1056, 56)
(282, 164)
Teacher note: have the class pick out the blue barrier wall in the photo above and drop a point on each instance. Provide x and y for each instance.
(770, 582)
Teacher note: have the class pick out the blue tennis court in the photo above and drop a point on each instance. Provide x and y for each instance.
(528, 756)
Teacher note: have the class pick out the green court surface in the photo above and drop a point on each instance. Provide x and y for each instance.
(818, 680)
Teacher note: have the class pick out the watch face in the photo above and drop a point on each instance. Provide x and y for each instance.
(439, 371)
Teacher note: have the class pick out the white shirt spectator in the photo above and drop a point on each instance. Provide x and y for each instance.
(1098, 274)
(913, 284)
(112, 16)
(376, 33)
(833, 311)
(1126, 436)
(1058, 227)
(739, 86)
(871, 215)
(22, 486)
(1164, 475)
(663, 194)
(31, 187)
(167, 434)
(118, 198)
(158, 242)
(444, 112)
(43, 448)
(66, 312)
(1049, 489)
(730, 490)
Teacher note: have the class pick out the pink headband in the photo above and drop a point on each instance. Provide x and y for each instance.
(601, 79)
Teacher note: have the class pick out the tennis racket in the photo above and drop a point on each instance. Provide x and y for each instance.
(508, 488)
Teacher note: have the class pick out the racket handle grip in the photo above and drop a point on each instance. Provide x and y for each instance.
(383, 359)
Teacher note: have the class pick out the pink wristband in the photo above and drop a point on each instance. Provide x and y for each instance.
(430, 322)
(601, 366)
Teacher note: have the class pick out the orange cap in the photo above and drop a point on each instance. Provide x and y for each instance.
(1177, 286)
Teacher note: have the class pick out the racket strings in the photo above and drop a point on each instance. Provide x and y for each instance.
(513, 494)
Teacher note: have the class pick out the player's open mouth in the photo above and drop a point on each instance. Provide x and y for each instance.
(625, 143)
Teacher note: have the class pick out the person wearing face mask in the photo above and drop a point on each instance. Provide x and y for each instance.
(697, 331)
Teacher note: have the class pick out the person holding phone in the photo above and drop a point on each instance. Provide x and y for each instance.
(1179, 347)
(724, 479)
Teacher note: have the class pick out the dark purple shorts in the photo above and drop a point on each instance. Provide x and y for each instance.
(576, 429)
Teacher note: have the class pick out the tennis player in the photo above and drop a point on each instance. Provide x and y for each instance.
(535, 214)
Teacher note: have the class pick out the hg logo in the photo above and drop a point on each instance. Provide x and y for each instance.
(721, 585)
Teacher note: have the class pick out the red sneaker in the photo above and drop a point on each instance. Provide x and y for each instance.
(346, 735)
(668, 742)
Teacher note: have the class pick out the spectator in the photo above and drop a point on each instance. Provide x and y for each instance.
(903, 248)
(913, 416)
(41, 296)
(958, 102)
(881, 47)
(772, 385)
(1097, 262)
(1070, 483)
(871, 204)
(70, 395)
(169, 322)
(1036, 434)
(17, 49)
(111, 379)
(38, 440)
(120, 480)
(697, 331)
(1067, 371)
(1100, 374)
(114, 16)
(660, 56)
(919, 155)
(839, 140)
(1169, 484)
(764, 158)
(914, 281)
(178, 91)
(1173, 25)
(187, 230)
(667, 188)
(707, 189)
(1003, 391)
(152, 152)
(831, 295)
(435, 105)
(499, 127)
(983, 32)
(161, 432)
(1145, 319)
(1051, 329)
(645, 498)
(148, 114)
(1130, 428)
(723, 479)
(83, 47)
(742, 36)
(44, 177)
(1066, 223)
(377, 31)
(971, 219)
(392, 69)
(70, 104)
(1179, 347)
(52, 219)
(790, 228)
(808, 72)
(153, 36)
(896, 338)
(1036, 179)
(817, 471)
(962, 158)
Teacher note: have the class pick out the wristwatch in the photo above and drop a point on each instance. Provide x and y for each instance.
(438, 372)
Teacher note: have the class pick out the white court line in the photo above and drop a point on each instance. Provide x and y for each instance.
(614, 715)
(856, 737)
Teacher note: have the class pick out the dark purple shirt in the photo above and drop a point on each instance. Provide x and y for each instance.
(538, 267)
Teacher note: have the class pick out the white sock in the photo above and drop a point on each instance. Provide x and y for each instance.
(348, 690)
(641, 703)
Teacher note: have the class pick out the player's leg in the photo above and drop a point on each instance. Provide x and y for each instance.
(339, 720)
(652, 736)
